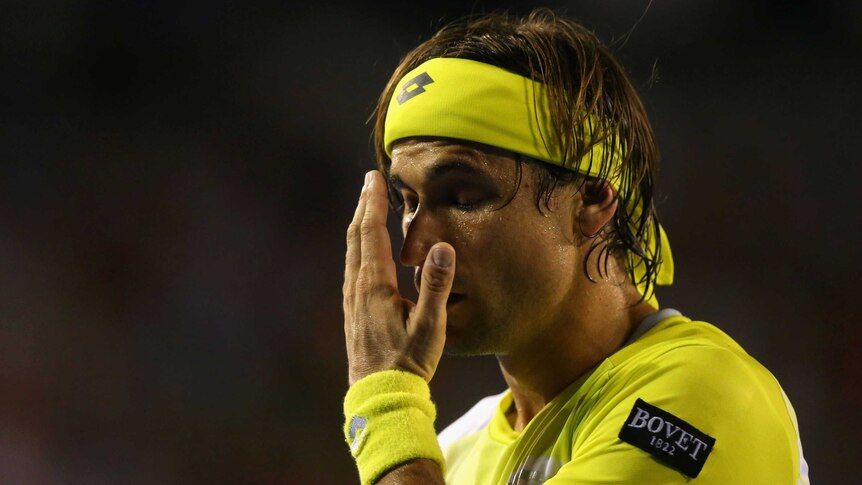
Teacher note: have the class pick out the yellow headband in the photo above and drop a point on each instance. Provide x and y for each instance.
(474, 101)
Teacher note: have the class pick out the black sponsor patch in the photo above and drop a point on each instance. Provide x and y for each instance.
(414, 87)
(670, 439)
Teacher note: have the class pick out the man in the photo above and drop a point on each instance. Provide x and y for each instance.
(521, 163)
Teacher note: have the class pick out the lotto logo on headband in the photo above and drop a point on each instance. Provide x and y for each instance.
(414, 87)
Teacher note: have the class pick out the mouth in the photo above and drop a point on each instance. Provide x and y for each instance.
(454, 298)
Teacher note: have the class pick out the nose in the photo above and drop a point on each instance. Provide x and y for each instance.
(421, 233)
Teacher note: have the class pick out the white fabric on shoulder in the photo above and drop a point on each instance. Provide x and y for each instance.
(650, 321)
(473, 421)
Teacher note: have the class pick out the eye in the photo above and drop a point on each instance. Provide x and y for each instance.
(467, 199)
(397, 202)
(407, 212)
(402, 204)
(409, 206)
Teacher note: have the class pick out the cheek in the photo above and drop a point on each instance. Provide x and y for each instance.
(514, 251)
(468, 233)
(531, 256)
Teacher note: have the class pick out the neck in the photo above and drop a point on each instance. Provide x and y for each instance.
(573, 347)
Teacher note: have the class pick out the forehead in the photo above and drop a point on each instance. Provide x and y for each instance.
(420, 157)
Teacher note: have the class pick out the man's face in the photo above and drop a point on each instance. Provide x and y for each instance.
(516, 267)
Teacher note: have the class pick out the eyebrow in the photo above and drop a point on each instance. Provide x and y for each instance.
(437, 171)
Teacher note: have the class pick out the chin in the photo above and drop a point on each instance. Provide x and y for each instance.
(468, 344)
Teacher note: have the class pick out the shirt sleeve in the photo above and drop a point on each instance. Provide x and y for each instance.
(724, 394)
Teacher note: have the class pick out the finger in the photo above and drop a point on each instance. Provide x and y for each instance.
(376, 249)
(352, 258)
(438, 272)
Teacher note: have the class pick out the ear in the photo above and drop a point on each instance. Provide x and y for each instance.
(599, 205)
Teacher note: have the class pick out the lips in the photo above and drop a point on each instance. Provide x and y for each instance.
(454, 298)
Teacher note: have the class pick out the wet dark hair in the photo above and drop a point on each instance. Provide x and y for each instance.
(592, 102)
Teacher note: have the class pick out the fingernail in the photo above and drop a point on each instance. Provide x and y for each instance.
(442, 258)
(367, 179)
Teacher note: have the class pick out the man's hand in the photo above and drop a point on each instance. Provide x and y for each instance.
(383, 330)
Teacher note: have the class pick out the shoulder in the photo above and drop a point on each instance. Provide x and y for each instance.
(692, 373)
(473, 421)
(699, 371)
(679, 356)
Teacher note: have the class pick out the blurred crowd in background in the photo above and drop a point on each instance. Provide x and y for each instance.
(176, 180)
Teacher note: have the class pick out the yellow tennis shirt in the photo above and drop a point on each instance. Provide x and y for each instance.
(683, 400)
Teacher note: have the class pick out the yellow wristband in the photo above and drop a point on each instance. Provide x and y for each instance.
(389, 421)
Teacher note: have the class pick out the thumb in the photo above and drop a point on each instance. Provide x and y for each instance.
(438, 272)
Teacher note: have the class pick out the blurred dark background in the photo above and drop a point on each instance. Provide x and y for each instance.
(176, 181)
